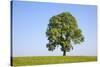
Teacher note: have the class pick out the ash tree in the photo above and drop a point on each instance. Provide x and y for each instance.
(63, 31)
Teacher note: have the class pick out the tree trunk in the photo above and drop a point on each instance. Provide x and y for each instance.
(64, 53)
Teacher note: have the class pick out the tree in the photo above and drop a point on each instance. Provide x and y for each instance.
(63, 31)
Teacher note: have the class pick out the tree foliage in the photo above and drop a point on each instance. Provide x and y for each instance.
(63, 31)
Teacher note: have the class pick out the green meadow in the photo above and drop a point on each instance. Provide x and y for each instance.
(40, 60)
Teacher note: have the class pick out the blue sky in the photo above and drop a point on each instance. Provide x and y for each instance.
(30, 20)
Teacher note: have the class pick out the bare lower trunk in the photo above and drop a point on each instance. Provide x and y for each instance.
(64, 53)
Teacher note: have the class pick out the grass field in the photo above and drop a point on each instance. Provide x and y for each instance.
(37, 60)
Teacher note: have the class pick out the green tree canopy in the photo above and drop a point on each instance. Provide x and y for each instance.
(63, 31)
